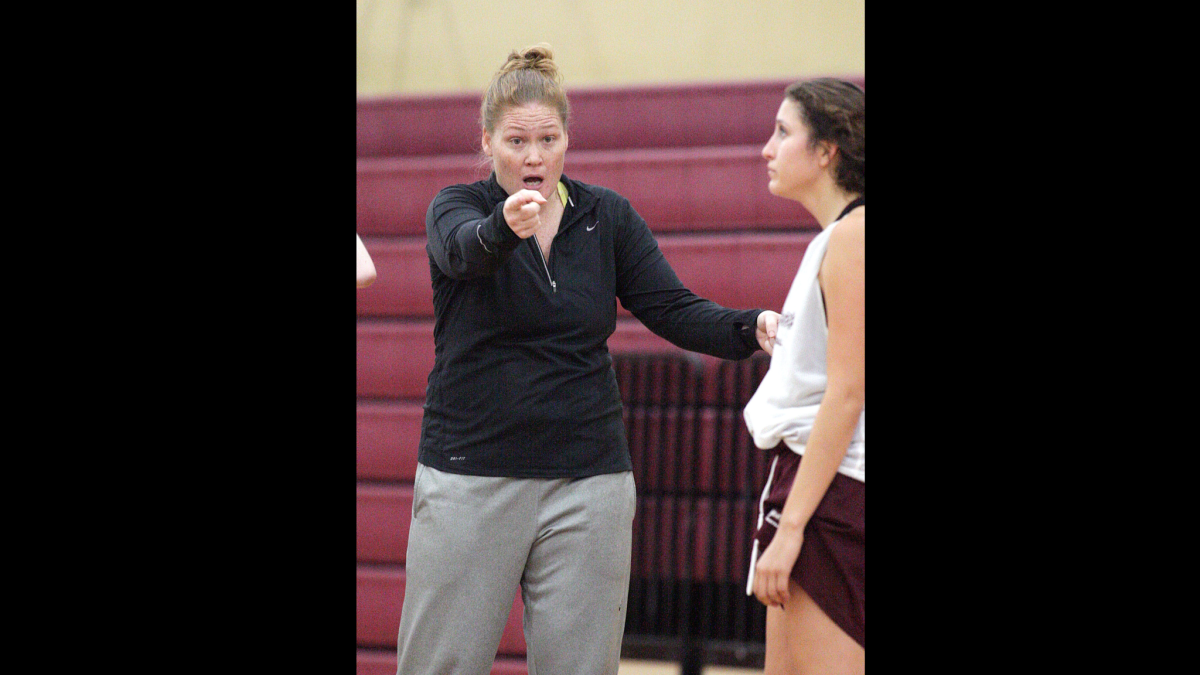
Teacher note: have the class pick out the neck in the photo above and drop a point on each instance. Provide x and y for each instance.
(827, 204)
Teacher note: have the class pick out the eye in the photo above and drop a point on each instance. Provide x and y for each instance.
(548, 139)
(515, 141)
(781, 131)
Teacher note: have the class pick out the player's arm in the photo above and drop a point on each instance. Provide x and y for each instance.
(843, 284)
(366, 267)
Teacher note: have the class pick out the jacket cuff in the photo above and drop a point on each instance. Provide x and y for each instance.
(496, 235)
(747, 331)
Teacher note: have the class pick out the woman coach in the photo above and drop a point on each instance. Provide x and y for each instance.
(524, 475)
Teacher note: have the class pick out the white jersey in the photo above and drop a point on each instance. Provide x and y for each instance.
(785, 405)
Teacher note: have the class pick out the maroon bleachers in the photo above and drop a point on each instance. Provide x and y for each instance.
(737, 270)
(384, 513)
(688, 159)
(719, 188)
(394, 358)
(380, 594)
(603, 118)
(387, 437)
(381, 662)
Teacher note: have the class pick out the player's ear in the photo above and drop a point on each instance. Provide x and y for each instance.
(826, 152)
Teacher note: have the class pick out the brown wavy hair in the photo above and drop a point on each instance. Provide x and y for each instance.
(528, 76)
(834, 111)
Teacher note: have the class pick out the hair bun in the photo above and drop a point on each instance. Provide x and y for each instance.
(538, 57)
(528, 75)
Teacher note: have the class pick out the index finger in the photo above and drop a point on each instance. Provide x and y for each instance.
(536, 196)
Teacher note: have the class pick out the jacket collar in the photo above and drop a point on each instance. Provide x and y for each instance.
(580, 193)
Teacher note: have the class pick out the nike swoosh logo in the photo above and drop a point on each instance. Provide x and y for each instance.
(593, 227)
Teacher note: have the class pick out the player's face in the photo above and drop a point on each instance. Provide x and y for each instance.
(793, 162)
(527, 147)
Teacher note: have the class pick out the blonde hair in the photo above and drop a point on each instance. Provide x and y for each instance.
(528, 76)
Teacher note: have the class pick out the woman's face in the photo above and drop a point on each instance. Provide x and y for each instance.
(793, 162)
(527, 147)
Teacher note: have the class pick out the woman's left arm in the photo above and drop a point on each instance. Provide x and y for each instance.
(842, 281)
(652, 292)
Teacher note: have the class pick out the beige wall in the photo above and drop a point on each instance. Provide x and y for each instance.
(441, 46)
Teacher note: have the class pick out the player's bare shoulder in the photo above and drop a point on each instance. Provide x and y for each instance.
(853, 224)
(849, 237)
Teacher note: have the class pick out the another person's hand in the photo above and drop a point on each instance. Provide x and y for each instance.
(521, 212)
(768, 325)
(774, 568)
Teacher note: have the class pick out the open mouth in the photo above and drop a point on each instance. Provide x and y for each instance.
(533, 182)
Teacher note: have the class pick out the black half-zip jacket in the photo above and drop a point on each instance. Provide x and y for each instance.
(522, 382)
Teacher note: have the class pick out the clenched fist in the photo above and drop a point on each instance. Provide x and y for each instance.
(521, 212)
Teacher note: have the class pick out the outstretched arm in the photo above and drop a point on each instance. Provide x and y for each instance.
(652, 292)
(469, 239)
(842, 281)
(366, 268)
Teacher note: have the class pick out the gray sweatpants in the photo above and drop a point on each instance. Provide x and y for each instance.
(473, 539)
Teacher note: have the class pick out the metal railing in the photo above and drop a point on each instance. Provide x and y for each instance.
(698, 477)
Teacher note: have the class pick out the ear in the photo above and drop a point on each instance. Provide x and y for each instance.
(826, 152)
(486, 143)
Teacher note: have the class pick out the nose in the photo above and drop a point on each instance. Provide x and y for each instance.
(767, 152)
(534, 157)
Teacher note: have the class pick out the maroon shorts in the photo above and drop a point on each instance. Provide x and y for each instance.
(831, 564)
